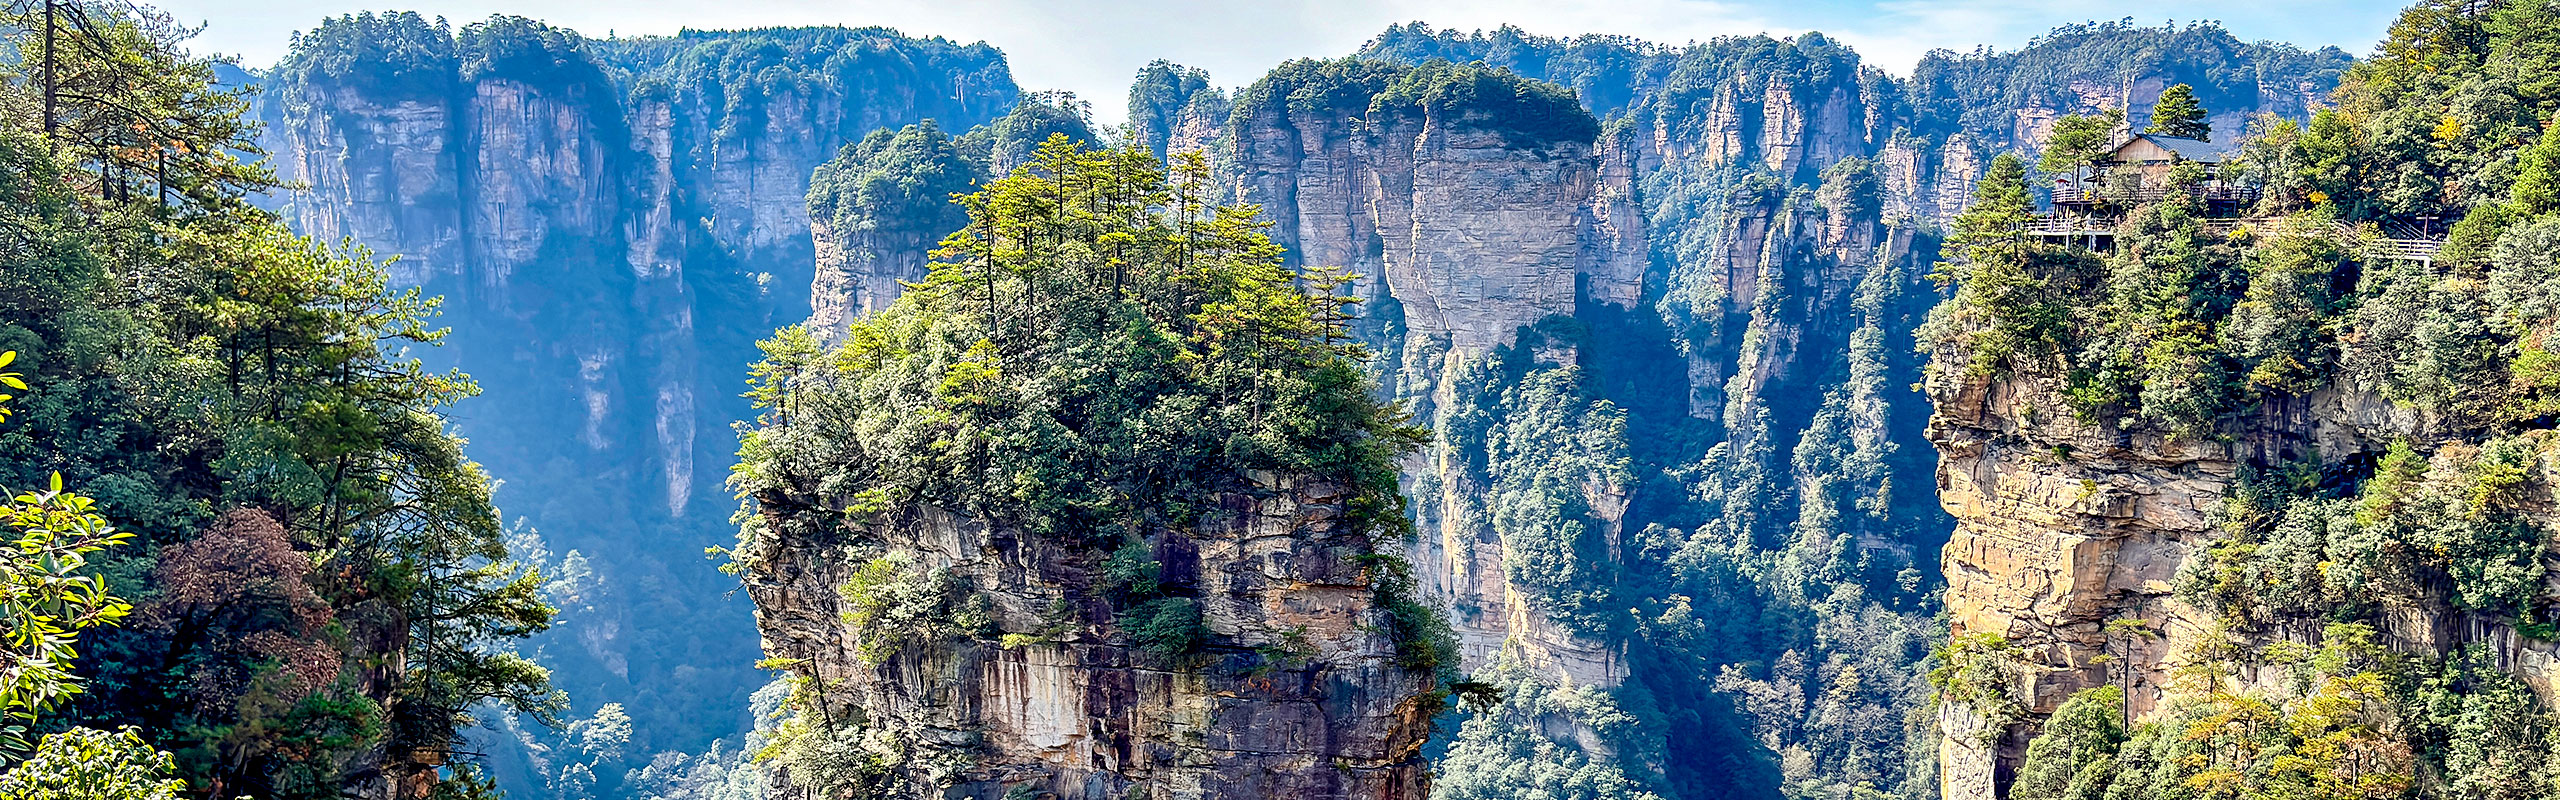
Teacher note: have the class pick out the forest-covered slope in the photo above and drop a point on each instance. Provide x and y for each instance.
(2267, 513)
(224, 459)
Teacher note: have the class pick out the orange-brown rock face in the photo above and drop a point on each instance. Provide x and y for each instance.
(1299, 694)
(2060, 528)
(2064, 527)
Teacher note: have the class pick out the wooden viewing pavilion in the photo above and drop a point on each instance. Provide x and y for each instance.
(2086, 210)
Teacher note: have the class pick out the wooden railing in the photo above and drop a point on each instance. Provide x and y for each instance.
(2060, 225)
(2067, 195)
(2367, 241)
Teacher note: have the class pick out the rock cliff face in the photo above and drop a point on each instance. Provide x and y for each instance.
(2064, 527)
(539, 170)
(2048, 548)
(1079, 711)
(1473, 236)
(860, 270)
(1464, 235)
(381, 171)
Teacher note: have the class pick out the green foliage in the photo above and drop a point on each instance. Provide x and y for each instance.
(1498, 752)
(1115, 377)
(1535, 437)
(738, 75)
(1423, 638)
(468, 782)
(1977, 92)
(1606, 71)
(48, 595)
(2074, 757)
(2081, 141)
(2284, 327)
(10, 380)
(524, 50)
(2356, 723)
(553, 60)
(90, 764)
(1007, 143)
(2537, 190)
(2459, 524)
(1527, 113)
(1166, 626)
(893, 602)
(394, 55)
(2014, 298)
(2493, 737)
(2467, 246)
(822, 757)
(1131, 573)
(2432, 125)
(1158, 98)
(1981, 672)
(894, 181)
(1337, 88)
(191, 354)
(2178, 114)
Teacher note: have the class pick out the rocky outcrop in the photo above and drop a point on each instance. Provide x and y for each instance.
(380, 171)
(2066, 529)
(1299, 695)
(2061, 527)
(1480, 238)
(1473, 235)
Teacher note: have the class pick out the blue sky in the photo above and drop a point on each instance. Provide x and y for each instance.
(1092, 48)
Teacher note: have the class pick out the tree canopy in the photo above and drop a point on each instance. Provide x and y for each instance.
(188, 357)
(2178, 114)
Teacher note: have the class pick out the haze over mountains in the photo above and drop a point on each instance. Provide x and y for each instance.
(1692, 262)
(456, 409)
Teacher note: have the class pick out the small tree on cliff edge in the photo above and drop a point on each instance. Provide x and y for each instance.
(2178, 114)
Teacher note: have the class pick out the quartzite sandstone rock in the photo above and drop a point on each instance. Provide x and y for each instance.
(1080, 710)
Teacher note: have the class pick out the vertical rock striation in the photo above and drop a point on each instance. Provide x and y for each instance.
(1080, 711)
(1468, 227)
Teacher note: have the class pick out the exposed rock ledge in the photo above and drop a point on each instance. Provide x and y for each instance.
(1085, 713)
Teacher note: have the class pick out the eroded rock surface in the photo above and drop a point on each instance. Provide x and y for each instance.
(1075, 708)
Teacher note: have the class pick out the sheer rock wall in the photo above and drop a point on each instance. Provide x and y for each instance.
(1081, 711)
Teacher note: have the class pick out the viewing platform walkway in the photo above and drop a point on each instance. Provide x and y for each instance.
(2367, 240)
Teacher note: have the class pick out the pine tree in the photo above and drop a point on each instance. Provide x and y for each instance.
(2075, 757)
(2078, 142)
(2178, 114)
(2001, 208)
